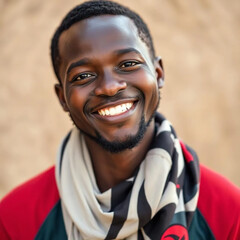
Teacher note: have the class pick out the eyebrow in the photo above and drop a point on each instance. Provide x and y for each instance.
(81, 62)
(126, 50)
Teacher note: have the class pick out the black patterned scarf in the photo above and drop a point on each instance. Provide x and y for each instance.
(157, 201)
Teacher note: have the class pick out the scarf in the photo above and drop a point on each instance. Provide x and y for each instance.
(158, 201)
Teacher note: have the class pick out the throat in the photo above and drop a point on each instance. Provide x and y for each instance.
(115, 170)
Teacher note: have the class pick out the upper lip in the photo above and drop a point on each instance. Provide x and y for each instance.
(110, 103)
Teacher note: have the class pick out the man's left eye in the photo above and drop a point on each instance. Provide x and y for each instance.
(129, 64)
(84, 75)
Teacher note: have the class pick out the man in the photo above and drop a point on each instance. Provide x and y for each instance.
(121, 172)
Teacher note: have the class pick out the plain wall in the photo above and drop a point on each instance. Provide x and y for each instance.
(199, 45)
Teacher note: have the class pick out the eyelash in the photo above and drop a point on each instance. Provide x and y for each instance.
(87, 75)
(132, 63)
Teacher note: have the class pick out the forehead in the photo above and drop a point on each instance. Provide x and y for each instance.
(99, 34)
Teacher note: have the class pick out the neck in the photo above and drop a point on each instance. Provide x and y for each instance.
(112, 168)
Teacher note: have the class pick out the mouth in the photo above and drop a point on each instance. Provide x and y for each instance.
(119, 108)
(116, 110)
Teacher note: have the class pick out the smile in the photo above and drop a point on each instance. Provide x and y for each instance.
(116, 110)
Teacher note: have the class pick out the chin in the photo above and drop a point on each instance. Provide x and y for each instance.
(126, 143)
(119, 145)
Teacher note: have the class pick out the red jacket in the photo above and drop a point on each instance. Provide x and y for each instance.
(24, 210)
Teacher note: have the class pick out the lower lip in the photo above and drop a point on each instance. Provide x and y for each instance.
(119, 117)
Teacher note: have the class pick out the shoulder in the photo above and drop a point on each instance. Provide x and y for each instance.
(219, 203)
(24, 209)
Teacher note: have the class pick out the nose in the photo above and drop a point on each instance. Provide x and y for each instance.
(109, 85)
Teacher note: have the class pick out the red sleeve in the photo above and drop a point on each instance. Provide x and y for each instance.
(3, 234)
(23, 210)
(219, 203)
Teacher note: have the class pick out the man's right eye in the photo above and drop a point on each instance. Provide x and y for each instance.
(83, 77)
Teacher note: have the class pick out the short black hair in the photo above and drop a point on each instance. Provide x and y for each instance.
(92, 9)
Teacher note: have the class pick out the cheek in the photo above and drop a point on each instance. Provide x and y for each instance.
(147, 84)
(151, 99)
(149, 88)
(76, 100)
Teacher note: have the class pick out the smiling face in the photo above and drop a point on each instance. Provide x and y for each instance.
(109, 80)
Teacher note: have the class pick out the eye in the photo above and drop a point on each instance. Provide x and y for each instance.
(129, 65)
(83, 77)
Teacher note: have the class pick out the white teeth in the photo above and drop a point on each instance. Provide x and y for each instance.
(128, 105)
(112, 111)
(115, 110)
(118, 108)
(106, 112)
(102, 112)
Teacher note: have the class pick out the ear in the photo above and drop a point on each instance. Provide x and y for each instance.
(59, 92)
(159, 71)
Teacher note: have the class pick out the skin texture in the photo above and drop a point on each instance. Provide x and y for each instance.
(104, 64)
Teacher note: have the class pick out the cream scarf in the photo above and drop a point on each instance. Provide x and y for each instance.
(163, 191)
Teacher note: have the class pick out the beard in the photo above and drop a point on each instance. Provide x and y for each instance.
(131, 141)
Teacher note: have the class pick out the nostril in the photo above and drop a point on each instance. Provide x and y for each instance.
(110, 88)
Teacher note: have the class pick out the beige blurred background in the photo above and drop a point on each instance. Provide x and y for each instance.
(199, 43)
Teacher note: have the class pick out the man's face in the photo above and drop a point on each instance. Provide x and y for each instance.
(109, 81)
